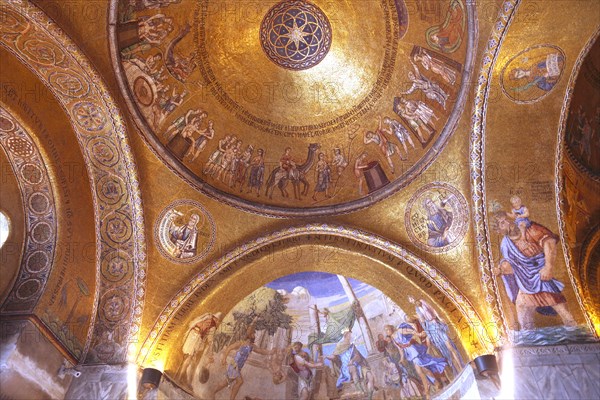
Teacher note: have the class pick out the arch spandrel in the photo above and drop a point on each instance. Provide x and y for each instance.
(385, 266)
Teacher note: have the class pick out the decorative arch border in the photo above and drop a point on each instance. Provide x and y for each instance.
(39, 43)
(22, 152)
(477, 162)
(256, 246)
(582, 292)
(590, 263)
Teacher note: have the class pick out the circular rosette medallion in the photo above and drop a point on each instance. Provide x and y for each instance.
(184, 232)
(295, 35)
(436, 217)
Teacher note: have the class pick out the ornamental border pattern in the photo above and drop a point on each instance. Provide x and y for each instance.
(575, 348)
(29, 155)
(41, 45)
(477, 162)
(559, 185)
(359, 236)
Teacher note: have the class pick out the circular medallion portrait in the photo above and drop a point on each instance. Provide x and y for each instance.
(184, 232)
(437, 217)
(532, 74)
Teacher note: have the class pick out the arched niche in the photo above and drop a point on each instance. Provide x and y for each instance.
(382, 275)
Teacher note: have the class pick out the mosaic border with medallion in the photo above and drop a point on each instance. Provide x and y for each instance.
(22, 152)
(39, 43)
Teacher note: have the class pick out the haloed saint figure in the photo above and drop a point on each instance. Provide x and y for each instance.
(436, 217)
(184, 232)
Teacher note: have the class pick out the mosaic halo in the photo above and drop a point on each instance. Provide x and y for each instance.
(295, 35)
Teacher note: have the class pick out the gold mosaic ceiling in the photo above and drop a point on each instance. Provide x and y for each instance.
(207, 84)
(294, 108)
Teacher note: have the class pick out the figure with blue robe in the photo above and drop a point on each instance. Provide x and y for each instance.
(437, 333)
(439, 221)
(429, 369)
(352, 366)
(526, 268)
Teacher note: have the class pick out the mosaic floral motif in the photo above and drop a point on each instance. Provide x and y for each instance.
(530, 75)
(437, 217)
(27, 163)
(41, 50)
(295, 35)
(185, 232)
(69, 84)
(363, 344)
(89, 116)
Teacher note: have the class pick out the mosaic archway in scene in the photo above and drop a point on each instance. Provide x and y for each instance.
(310, 118)
(120, 249)
(313, 258)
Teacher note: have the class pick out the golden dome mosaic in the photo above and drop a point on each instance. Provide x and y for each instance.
(295, 34)
(294, 108)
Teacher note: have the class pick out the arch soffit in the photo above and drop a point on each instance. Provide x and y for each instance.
(24, 155)
(477, 154)
(31, 36)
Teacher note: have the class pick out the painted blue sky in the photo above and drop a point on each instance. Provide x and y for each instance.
(320, 284)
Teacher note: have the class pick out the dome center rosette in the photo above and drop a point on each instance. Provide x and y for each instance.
(295, 34)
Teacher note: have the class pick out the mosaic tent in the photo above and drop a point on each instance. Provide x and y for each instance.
(299, 199)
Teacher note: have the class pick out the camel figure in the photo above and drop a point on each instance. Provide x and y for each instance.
(280, 177)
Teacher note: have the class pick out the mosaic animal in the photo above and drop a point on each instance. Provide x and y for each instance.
(280, 177)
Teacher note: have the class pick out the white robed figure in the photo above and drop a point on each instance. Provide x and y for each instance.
(183, 237)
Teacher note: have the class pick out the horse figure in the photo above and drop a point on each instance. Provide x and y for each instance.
(280, 177)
